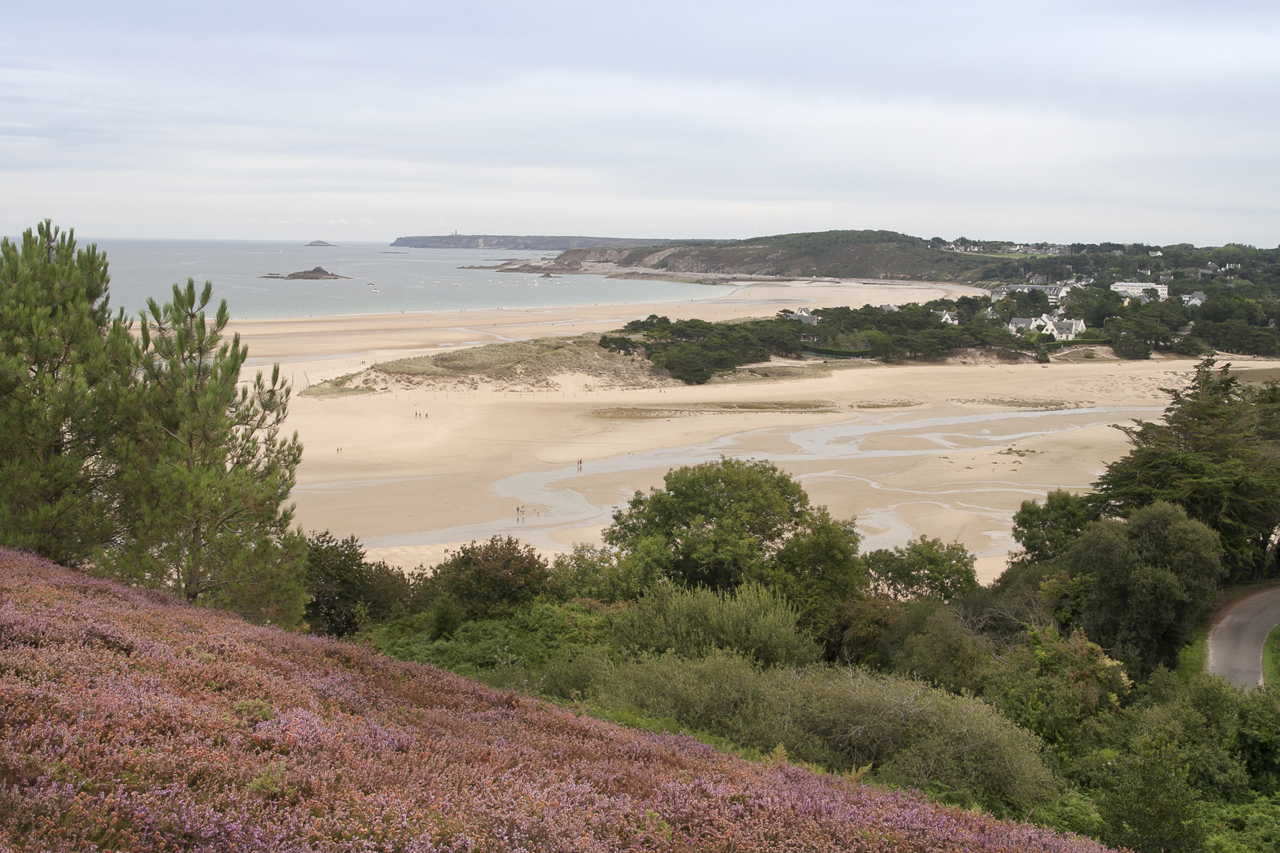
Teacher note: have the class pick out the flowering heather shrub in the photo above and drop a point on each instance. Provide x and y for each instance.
(129, 721)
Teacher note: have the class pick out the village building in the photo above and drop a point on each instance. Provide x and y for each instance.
(1055, 292)
(1139, 288)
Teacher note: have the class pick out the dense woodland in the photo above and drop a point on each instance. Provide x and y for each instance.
(723, 603)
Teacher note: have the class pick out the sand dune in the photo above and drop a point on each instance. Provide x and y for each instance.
(940, 450)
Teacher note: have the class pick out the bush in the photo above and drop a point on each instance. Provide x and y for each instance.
(492, 578)
(345, 592)
(600, 574)
(523, 643)
(751, 621)
(957, 748)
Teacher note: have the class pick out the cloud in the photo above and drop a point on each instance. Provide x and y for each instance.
(1062, 121)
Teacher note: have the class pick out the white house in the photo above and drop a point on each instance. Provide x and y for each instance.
(1194, 300)
(1055, 292)
(804, 315)
(948, 317)
(1064, 329)
(1138, 288)
(1027, 324)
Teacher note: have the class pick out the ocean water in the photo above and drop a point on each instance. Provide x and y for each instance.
(382, 280)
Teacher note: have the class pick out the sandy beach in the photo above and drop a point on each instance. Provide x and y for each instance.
(946, 451)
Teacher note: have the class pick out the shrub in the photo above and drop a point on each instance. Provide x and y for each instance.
(751, 620)
(345, 592)
(958, 748)
(492, 578)
(527, 640)
(600, 574)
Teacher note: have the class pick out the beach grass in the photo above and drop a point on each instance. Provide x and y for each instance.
(336, 387)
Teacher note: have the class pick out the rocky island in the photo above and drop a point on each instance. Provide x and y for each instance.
(316, 274)
(319, 243)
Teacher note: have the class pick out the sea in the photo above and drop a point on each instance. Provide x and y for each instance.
(380, 279)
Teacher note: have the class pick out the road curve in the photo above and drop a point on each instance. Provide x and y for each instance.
(1235, 642)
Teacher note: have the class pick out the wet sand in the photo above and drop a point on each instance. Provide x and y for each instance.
(946, 451)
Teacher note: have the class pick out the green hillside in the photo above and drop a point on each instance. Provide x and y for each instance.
(843, 254)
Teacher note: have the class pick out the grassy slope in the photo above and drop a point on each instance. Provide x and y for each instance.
(1271, 659)
(131, 721)
(846, 254)
(534, 363)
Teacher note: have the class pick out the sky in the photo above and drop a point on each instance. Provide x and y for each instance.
(1153, 121)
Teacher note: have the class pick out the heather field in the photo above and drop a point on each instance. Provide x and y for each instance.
(131, 721)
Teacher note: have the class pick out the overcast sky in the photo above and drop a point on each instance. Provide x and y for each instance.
(1149, 121)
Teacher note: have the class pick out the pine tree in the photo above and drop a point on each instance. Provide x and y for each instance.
(206, 473)
(64, 363)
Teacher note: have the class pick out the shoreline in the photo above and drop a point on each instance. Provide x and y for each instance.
(943, 450)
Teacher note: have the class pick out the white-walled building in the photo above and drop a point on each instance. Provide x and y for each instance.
(1138, 288)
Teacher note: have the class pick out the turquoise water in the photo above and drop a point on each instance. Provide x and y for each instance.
(382, 280)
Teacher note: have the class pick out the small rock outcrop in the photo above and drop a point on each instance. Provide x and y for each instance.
(317, 274)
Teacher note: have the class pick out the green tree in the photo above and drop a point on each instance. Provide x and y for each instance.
(345, 592)
(925, 568)
(1216, 455)
(490, 579)
(1149, 805)
(1046, 530)
(64, 363)
(1153, 578)
(206, 473)
(1052, 684)
(720, 524)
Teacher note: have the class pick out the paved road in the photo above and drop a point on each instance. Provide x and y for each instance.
(1235, 643)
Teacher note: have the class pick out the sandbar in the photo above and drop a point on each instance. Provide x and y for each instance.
(941, 450)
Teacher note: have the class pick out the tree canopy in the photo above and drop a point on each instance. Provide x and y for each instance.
(141, 458)
(723, 523)
(1151, 579)
(64, 362)
(1217, 456)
